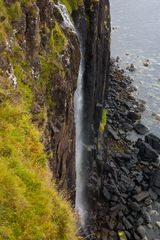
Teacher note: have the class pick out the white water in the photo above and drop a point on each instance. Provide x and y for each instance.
(67, 22)
(78, 108)
(80, 182)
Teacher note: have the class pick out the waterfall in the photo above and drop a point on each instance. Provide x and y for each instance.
(78, 108)
(67, 22)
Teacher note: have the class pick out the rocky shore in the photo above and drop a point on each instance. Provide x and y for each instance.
(128, 206)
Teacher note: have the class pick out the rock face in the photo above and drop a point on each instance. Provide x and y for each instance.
(43, 55)
(40, 54)
(95, 36)
(92, 21)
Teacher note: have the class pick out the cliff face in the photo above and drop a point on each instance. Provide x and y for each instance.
(50, 51)
(93, 23)
(39, 62)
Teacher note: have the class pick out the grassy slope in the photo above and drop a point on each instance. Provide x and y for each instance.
(30, 207)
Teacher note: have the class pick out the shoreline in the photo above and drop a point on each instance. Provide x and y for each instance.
(129, 200)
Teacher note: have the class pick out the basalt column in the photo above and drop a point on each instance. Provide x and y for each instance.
(93, 23)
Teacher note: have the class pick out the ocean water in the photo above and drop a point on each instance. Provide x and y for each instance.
(135, 38)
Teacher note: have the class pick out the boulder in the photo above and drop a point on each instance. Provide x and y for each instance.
(140, 128)
(141, 231)
(113, 133)
(106, 193)
(141, 196)
(155, 182)
(153, 141)
(146, 152)
(134, 116)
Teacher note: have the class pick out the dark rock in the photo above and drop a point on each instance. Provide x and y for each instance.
(135, 206)
(106, 194)
(146, 216)
(153, 141)
(140, 129)
(120, 226)
(134, 116)
(139, 178)
(128, 235)
(152, 194)
(131, 219)
(137, 189)
(156, 190)
(148, 201)
(136, 237)
(141, 231)
(146, 152)
(115, 198)
(125, 170)
(127, 224)
(140, 221)
(105, 233)
(113, 133)
(141, 196)
(127, 126)
(155, 181)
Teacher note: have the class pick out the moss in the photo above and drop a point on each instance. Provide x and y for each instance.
(72, 4)
(103, 120)
(30, 207)
(58, 41)
(14, 11)
(122, 235)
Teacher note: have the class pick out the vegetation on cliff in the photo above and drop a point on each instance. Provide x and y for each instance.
(30, 207)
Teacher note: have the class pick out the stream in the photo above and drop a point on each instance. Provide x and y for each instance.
(136, 38)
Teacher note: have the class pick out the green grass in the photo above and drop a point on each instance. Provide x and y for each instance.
(103, 120)
(30, 207)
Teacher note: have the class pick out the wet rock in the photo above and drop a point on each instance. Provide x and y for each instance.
(141, 196)
(146, 62)
(134, 116)
(153, 141)
(131, 67)
(140, 129)
(146, 152)
(157, 116)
